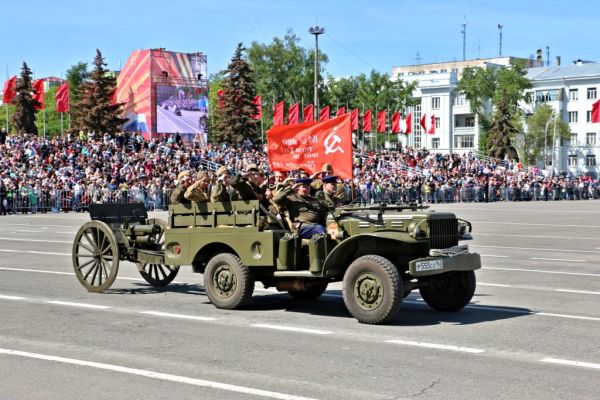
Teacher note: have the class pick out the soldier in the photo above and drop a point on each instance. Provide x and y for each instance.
(327, 194)
(327, 170)
(221, 191)
(307, 214)
(248, 185)
(197, 191)
(184, 180)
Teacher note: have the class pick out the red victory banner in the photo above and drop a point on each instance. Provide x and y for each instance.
(38, 93)
(431, 129)
(407, 124)
(278, 114)
(9, 90)
(308, 113)
(367, 117)
(381, 117)
(396, 122)
(423, 122)
(309, 145)
(324, 114)
(354, 119)
(340, 111)
(258, 103)
(596, 112)
(62, 98)
(293, 114)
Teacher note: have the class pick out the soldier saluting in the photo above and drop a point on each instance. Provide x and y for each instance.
(328, 195)
(184, 180)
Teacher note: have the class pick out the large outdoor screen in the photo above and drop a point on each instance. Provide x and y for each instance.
(181, 109)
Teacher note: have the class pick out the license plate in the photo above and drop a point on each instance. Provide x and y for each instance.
(429, 265)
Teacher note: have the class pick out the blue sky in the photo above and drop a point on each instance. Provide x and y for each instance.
(52, 35)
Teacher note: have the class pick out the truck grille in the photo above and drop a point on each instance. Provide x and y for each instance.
(443, 232)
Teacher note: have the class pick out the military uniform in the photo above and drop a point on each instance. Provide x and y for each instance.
(196, 193)
(302, 209)
(340, 190)
(178, 196)
(328, 200)
(219, 193)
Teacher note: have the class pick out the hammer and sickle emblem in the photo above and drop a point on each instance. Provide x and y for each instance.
(331, 142)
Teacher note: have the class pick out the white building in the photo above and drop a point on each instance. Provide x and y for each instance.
(571, 90)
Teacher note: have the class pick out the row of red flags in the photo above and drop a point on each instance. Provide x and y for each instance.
(62, 94)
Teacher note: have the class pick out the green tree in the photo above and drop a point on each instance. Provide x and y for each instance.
(98, 113)
(234, 121)
(77, 75)
(24, 114)
(50, 114)
(542, 129)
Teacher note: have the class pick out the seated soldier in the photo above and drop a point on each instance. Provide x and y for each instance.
(306, 213)
(327, 194)
(184, 180)
(197, 191)
(317, 184)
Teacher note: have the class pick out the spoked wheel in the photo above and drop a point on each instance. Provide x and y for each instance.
(158, 274)
(95, 256)
(228, 282)
(372, 289)
(451, 291)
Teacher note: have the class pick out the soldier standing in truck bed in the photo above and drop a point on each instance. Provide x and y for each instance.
(247, 184)
(197, 191)
(222, 190)
(184, 180)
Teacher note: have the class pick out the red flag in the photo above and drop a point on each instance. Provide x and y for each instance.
(340, 111)
(324, 114)
(293, 114)
(38, 93)
(367, 121)
(9, 89)
(308, 113)
(396, 122)
(354, 119)
(112, 96)
(220, 98)
(62, 98)
(258, 103)
(381, 120)
(596, 112)
(408, 122)
(431, 129)
(423, 122)
(278, 114)
(309, 145)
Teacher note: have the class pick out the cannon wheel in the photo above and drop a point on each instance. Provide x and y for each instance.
(95, 256)
(158, 274)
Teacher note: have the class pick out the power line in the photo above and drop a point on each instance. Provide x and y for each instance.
(328, 36)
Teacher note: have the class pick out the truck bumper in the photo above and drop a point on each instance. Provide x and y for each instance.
(438, 265)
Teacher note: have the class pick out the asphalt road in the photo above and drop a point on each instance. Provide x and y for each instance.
(187, 122)
(531, 332)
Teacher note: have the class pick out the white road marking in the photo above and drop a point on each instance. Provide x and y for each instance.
(82, 305)
(182, 316)
(493, 284)
(567, 316)
(489, 255)
(540, 271)
(530, 224)
(41, 226)
(292, 329)
(437, 346)
(35, 252)
(41, 271)
(534, 248)
(539, 236)
(26, 231)
(157, 375)
(36, 240)
(555, 259)
(570, 363)
(576, 291)
(3, 297)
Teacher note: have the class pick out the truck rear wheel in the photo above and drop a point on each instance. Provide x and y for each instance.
(372, 289)
(229, 284)
(448, 292)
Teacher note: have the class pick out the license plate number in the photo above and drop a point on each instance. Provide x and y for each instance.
(429, 265)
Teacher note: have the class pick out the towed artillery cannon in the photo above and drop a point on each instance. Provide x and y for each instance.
(380, 254)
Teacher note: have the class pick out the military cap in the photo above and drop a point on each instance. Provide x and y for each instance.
(330, 179)
(223, 170)
(183, 174)
(202, 174)
(303, 181)
(252, 168)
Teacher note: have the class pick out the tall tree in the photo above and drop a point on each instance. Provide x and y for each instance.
(24, 115)
(99, 111)
(76, 76)
(235, 108)
(543, 128)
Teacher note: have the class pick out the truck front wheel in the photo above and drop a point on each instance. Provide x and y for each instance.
(372, 289)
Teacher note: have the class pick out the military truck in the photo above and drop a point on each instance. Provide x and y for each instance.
(380, 254)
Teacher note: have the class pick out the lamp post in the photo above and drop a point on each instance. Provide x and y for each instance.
(546, 140)
(316, 30)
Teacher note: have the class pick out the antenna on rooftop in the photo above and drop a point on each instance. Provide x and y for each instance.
(500, 40)
(464, 33)
(418, 57)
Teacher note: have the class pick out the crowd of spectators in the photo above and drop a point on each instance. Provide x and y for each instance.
(67, 173)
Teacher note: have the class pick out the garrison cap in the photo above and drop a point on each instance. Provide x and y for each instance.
(202, 174)
(223, 170)
(183, 174)
(252, 168)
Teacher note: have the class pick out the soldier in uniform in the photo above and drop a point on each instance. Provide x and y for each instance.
(248, 185)
(184, 180)
(327, 194)
(197, 191)
(222, 191)
(327, 170)
(306, 213)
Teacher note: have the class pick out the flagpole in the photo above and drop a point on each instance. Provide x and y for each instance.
(44, 117)
(6, 105)
(61, 124)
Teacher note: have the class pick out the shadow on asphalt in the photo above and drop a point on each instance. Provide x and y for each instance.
(146, 288)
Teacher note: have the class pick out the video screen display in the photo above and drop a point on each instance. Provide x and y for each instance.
(181, 109)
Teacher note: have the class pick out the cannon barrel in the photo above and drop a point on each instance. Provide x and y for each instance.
(145, 229)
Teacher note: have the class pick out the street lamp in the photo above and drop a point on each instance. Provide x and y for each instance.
(316, 30)
(546, 140)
